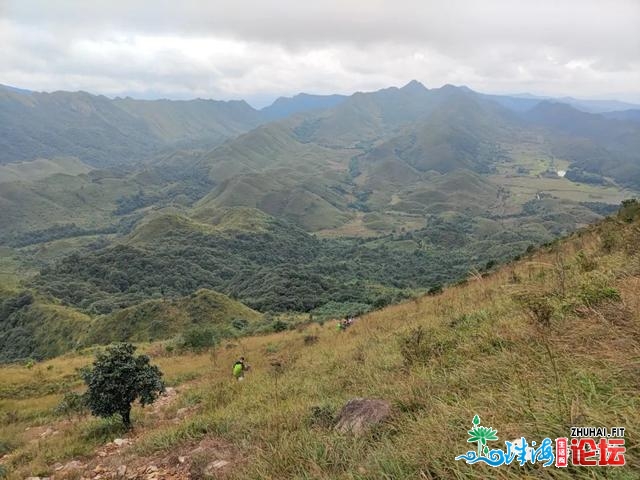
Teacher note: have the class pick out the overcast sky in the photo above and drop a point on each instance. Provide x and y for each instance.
(260, 49)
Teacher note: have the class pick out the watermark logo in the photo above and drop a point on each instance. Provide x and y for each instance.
(583, 449)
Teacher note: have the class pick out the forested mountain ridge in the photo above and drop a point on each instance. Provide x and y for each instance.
(341, 205)
(102, 132)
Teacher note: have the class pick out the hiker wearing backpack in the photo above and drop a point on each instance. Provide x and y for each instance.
(239, 368)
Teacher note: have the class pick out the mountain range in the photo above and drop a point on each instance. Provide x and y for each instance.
(321, 205)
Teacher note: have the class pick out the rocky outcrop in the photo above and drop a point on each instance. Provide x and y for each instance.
(361, 414)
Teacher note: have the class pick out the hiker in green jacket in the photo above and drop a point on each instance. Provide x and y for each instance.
(239, 368)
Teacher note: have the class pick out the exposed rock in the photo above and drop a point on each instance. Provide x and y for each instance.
(182, 412)
(74, 465)
(360, 414)
(121, 442)
(215, 465)
(122, 470)
(182, 459)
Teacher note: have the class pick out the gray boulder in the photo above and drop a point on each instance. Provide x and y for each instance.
(360, 414)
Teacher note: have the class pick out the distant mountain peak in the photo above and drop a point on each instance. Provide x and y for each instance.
(414, 86)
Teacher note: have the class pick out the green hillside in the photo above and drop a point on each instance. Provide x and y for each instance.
(34, 327)
(312, 202)
(461, 132)
(41, 168)
(161, 319)
(405, 135)
(101, 131)
(31, 327)
(273, 265)
(534, 348)
(373, 154)
(377, 198)
(593, 143)
(194, 122)
(31, 210)
(272, 146)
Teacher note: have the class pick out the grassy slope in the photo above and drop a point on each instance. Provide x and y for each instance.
(207, 121)
(44, 330)
(483, 354)
(161, 319)
(102, 131)
(41, 168)
(87, 201)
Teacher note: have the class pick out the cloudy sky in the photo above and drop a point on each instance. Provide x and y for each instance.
(261, 49)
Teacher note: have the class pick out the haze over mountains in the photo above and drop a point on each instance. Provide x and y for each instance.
(316, 204)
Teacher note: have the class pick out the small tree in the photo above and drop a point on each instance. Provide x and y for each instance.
(118, 378)
(199, 339)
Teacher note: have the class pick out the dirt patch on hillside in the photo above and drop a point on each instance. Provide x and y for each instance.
(208, 458)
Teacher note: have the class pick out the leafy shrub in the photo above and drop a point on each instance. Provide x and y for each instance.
(585, 263)
(240, 323)
(6, 446)
(593, 294)
(279, 326)
(72, 404)
(199, 339)
(16, 303)
(609, 241)
(538, 307)
(435, 290)
(117, 379)
(629, 210)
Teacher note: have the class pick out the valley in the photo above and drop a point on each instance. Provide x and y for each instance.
(335, 206)
(481, 347)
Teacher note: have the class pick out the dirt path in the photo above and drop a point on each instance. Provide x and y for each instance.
(207, 458)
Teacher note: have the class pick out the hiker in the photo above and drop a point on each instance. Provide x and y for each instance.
(342, 325)
(239, 368)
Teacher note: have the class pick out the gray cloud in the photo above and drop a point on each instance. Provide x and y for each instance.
(258, 49)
